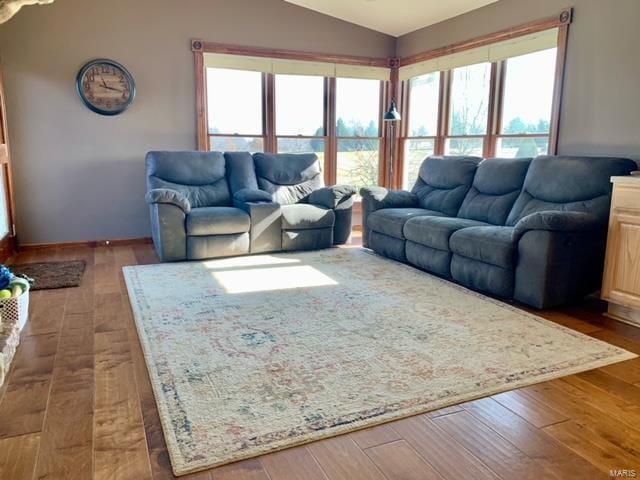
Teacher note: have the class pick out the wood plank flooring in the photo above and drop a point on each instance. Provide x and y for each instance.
(78, 404)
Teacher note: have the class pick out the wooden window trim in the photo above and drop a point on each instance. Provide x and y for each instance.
(211, 47)
(562, 19)
(8, 244)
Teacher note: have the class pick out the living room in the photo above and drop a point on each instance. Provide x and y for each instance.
(319, 239)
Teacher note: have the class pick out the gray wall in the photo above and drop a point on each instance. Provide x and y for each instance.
(80, 176)
(600, 112)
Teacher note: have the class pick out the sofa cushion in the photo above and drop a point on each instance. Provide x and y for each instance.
(435, 232)
(199, 176)
(212, 246)
(443, 182)
(579, 184)
(388, 246)
(496, 185)
(430, 259)
(309, 239)
(217, 221)
(241, 171)
(483, 276)
(304, 216)
(390, 221)
(289, 178)
(493, 245)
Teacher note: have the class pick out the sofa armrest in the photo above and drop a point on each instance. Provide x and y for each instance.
(331, 197)
(558, 221)
(168, 196)
(376, 198)
(379, 197)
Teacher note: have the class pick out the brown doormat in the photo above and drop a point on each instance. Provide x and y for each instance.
(50, 275)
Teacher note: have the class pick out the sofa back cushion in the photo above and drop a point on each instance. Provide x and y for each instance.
(200, 176)
(496, 185)
(568, 183)
(443, 182)
(241, 171)
(288, 177)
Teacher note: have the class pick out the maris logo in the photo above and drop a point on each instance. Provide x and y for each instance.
(623, 473)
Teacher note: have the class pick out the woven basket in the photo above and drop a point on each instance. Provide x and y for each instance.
(15, 309)
(13, 317)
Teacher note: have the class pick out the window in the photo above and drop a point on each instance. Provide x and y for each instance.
(288, 105)
(235, 121)
(526, 104)
(469, 111)
(358, 131)
(300, 115)
(424, 108)
(492, 100)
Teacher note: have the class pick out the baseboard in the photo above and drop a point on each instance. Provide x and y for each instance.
(118, 242)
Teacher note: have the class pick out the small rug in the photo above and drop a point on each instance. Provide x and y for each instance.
(259, 353)
(50, 275)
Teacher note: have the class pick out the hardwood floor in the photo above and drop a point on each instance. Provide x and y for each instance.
(78, 404)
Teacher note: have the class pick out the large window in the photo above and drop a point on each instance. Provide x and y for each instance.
(495, 97)
(494, 100)
(526, 104)
(300, 114)
(358, 131)
(285, 105)
(235, 121)
(469, 110)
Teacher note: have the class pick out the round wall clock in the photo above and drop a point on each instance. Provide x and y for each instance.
(105, 87)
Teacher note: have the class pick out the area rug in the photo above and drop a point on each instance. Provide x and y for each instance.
(50, 275)
(259, 353)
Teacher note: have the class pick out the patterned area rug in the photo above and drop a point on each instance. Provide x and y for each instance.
(50, 275)
(259, 353)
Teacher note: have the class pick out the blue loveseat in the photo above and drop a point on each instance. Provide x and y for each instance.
(214, 204)
(529, 229)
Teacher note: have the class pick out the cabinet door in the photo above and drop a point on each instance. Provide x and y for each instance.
(622, 272)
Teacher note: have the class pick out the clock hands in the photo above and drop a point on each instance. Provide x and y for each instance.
(108, 87)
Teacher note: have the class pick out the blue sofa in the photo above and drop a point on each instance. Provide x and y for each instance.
(214, 204)
(529, 229)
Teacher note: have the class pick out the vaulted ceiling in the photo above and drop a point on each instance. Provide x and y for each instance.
(393, 17)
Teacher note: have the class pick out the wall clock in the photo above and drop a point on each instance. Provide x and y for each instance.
(105, 87)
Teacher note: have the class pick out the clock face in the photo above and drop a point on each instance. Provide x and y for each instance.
(106, 87)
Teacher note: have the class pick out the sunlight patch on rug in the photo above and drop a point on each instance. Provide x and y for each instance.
(269, 279)
(254, 354)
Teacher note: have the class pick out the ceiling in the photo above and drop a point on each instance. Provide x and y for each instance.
(393, 17)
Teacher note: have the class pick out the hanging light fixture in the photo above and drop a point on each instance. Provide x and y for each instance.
(392, 116)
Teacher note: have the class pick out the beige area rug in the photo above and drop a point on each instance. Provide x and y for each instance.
(259, 353)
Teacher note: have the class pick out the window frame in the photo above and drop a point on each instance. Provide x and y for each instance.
(380, 137)
(496, 91)
(390, 172)
(269, 136)
(493, 133)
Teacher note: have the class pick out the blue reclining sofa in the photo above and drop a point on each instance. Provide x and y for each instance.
(529, 229)
(213, 204)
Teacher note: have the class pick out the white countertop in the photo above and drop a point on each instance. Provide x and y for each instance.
(627, 179)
